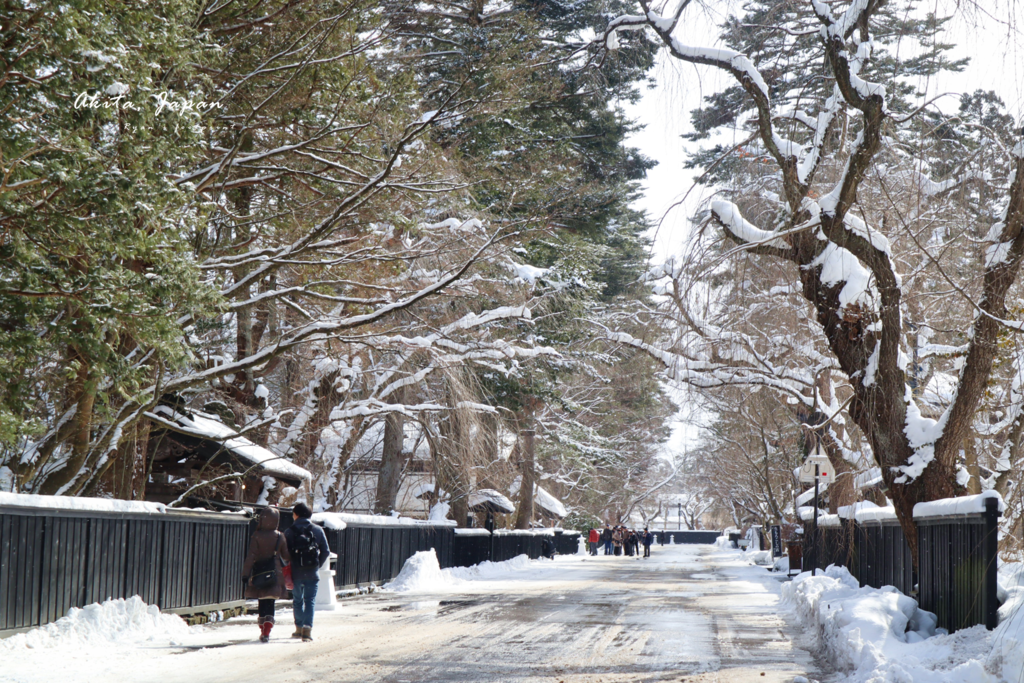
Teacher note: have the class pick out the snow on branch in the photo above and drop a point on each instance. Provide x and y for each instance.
(730, 217)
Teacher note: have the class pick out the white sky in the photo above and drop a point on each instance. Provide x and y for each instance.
(986, 33)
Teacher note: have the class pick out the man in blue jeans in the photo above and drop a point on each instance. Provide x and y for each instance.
(307, 545)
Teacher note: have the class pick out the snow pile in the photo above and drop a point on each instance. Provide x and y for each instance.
(1008, 638)
(760, 557)
(487, 570)
(881, 635)
(421, 572)
(114, 622)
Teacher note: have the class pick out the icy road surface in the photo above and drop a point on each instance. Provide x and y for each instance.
(690, 614)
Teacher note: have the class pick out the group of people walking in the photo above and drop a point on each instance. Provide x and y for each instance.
(619, 540)
(279, 562)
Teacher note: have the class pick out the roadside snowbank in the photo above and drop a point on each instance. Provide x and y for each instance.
(881, 635)
(491, 570)
(422, 573)
(114, 622)
(1008, 638)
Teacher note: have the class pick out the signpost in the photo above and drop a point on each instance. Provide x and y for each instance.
(816, 468)
(776, 541)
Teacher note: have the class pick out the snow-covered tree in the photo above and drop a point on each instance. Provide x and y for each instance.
(846, 211)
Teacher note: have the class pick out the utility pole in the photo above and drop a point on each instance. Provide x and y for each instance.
(814, 541)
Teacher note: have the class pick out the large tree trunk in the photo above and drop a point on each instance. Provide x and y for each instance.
(84, 389)
(392, 461)
(528, 468)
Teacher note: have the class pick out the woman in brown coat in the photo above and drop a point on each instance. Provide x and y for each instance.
(267, 549)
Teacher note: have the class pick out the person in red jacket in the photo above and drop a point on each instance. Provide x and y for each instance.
(592, 541)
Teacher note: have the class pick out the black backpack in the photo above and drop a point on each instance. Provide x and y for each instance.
(305, 551)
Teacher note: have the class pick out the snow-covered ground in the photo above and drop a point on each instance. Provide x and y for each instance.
(690, 612)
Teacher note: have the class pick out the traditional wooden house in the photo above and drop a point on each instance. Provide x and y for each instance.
(196, 455)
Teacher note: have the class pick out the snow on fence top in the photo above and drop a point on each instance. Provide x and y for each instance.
(340, 520)
(824, 518)
(31, 500)
(829, 520)
(957, 507)
(472, 532)
(524, 532)
(849, 511)
(806, 513)
(877, 514)
(208, 427)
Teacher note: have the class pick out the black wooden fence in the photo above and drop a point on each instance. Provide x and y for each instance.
(190, 562)
(685, 536)
(373, 554)
(957, 577)
(503, 545)
(52, 560)
(958, 568)
(881, 556)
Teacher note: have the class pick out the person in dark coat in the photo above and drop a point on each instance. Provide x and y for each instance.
(266, 547)
(305, 578)
(648, 540)
(606, 539)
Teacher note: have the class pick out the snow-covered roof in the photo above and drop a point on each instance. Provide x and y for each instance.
(491, 499)
(955, 507)
(542, 498)
(206, 426)
(550, 503)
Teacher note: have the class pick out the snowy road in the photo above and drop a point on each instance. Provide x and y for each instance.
(689, 614)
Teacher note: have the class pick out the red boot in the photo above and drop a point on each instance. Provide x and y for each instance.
(265, 631)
